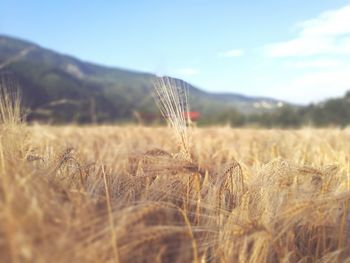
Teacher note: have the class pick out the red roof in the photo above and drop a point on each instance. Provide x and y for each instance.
(192, 115)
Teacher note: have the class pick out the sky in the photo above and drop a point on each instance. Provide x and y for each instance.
(293, 50)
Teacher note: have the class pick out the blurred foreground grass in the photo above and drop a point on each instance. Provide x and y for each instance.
(123, 194)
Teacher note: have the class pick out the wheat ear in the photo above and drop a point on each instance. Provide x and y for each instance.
(171, 97)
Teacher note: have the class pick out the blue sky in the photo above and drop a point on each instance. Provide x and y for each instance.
(293, 50)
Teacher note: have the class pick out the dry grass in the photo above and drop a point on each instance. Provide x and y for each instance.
(125, 194)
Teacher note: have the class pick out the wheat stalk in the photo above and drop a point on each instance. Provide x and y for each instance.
(10, 102)
(172, 100)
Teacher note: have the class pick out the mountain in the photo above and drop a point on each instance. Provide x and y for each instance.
(62, 88)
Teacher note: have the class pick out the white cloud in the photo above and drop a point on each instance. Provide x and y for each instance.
(318, 63)
(326, 34)
(334, 22)
(187, 71)
(315, 86)
(232, 53)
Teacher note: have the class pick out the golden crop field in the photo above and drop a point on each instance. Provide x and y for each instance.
(172, 194)
(122, 194)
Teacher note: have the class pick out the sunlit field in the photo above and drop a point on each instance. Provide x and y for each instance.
(126, 194)
(177, 193)
(188, 131)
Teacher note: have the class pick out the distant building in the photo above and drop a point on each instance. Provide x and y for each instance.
(192, 115)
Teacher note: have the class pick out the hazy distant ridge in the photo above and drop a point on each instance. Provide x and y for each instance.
(67, 89)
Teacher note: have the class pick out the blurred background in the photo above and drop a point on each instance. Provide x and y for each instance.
(266, 63)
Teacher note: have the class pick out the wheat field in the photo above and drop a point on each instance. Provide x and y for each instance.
(121, 194)
(171, 194)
